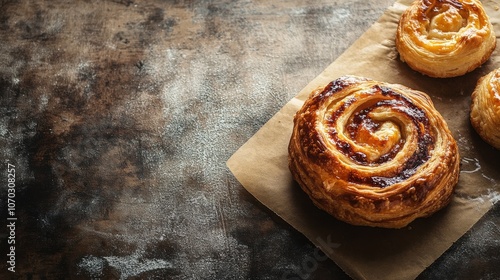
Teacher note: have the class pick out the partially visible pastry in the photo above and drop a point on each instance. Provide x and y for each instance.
(485, 108)
(372, 153)
(445, 38)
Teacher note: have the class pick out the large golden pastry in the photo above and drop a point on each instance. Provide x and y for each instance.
(445, 38)
(372, 153)
(485, 108)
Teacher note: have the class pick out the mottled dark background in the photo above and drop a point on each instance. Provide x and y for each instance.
(120, 115)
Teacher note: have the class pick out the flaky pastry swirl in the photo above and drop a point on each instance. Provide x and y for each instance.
(445, 38)
(485, 108)
(372, 153)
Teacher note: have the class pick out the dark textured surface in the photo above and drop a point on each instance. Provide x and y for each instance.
(120, 115)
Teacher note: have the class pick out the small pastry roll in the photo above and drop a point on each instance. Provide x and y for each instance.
(445, 38)
(485, 108)
(373, 154)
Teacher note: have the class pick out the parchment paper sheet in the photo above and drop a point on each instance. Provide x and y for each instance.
(370, 253)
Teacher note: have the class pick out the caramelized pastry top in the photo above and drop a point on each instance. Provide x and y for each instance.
(372, 153)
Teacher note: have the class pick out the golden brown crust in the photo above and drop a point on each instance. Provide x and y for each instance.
(485, 108)
(445, 38)
(373, 154)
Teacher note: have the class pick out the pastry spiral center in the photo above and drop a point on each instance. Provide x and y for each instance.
(445, 21)
(377, 129)
(371, 127)
(370, 130)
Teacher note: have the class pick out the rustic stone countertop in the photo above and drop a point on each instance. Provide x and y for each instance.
(117, 119)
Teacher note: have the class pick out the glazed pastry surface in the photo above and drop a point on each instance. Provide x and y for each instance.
(485, 108)
(373, 154)
(445, 38)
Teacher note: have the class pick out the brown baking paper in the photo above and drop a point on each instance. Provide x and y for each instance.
(372, 253)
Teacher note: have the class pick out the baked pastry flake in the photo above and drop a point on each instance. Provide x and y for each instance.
(485, 108)
(445, 38)
(372, 153)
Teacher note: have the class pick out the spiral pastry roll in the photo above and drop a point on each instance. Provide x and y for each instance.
(445, 38)
(485, 108)
(373, 154)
